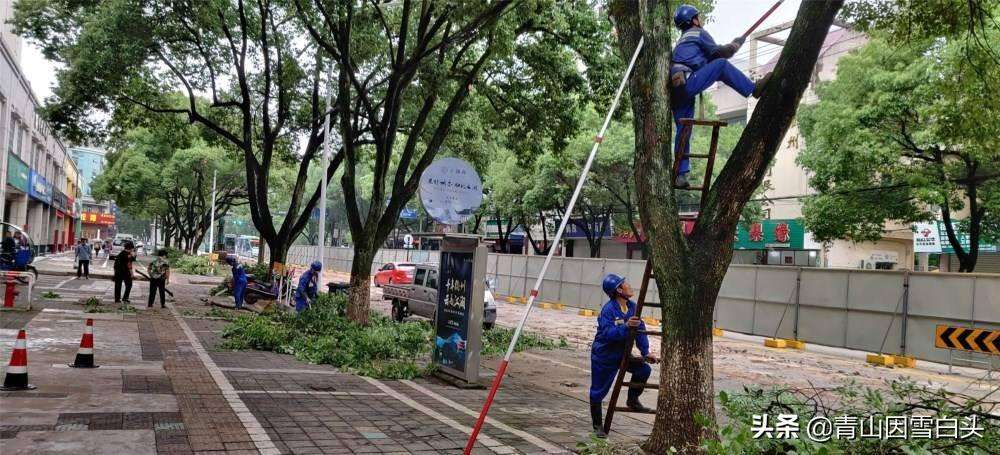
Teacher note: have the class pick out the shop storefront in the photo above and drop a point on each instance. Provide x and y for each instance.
(40, 212)
(775, 242)
(15, 205)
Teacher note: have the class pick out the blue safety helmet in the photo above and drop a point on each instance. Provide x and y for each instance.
(316, 266)
(684, 15)
(611, 284)
(231, 260)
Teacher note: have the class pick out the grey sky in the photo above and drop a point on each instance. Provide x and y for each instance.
(730, 18)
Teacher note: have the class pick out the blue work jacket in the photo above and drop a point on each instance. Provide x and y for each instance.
(612, 332)
(695, 48)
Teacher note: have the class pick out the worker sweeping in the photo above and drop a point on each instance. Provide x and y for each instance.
(697, 63)
(308, 287)
(617, 316)
(239, 281)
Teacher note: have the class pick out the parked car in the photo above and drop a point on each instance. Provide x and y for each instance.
(118, 244)
(395, 273)
(419, 297)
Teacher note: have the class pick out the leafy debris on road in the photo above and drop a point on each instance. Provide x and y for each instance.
(50, 295)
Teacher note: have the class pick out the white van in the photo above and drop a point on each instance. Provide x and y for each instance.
(118, 244)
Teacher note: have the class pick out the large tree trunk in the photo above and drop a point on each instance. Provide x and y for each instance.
(278, 248)
(358, 305)
(689, 271)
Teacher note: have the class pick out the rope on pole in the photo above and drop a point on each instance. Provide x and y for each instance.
(548, 258)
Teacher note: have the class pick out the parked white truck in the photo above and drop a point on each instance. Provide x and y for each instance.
(420, 297)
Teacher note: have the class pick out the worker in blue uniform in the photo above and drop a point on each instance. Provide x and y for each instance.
(239, 281)
(697, 63)
(308, 287)
(617, 317)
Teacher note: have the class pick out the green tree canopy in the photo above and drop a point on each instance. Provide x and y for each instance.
(904, 131)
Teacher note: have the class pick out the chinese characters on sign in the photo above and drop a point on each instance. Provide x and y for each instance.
(450, 190)
(822, 429)
(454, 297)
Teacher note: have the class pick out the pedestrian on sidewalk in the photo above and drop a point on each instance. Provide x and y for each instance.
(123, 272)
(159, 273)
(617, 317)
(83, 256)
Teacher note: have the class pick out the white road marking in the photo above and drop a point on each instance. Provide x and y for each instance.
(492, 444)
(260, 438)
(538, 442)
(61, 283)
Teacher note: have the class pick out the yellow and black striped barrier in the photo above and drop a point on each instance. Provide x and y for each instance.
(966, 339)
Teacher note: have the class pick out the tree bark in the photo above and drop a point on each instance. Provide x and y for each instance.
(689, 271)
(358, 305)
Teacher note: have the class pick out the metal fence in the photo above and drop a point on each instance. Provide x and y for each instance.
(894, 312)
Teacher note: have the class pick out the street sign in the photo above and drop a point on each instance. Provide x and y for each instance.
(450, 190)
(407, 241)
(458, 321)
(966, 339)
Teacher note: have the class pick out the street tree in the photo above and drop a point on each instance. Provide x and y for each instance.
(689, 269)
(404, 74)
(165, 171)
(263, 82)
(904, 131)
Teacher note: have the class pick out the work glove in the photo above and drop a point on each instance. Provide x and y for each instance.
(634, 322)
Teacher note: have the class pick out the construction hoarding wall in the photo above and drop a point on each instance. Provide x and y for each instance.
(851, 308)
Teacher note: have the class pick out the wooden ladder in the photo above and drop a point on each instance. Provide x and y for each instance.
(687, 125)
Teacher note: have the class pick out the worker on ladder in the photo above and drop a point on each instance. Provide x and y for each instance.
(617, 317)
(697, 63)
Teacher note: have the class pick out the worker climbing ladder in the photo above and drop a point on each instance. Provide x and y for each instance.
(688, 125)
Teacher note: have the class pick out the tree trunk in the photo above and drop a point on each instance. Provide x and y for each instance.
(279, 252)
(358, 305)
(690, 270)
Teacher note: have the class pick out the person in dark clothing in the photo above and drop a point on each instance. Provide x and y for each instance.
(83, 255)
(123, 272)
(159, 273)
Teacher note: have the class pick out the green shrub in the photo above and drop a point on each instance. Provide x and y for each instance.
(384, 349)
(192, 265)
(173, 254)
(902, 398)
(496, 341)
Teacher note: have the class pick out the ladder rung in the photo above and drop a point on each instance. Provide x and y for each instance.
(698, 155)
(695, 121)
(690, 188)
(652, 305)
(627, 409)
(643, 385)
(647, 332)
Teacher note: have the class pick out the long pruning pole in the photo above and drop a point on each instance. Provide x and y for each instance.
(548, 258)
(761, 20)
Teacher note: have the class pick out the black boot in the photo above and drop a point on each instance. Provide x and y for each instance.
(758, 87)
(633, 402)
(595, 416)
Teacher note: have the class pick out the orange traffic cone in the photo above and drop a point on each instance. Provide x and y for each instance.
(17, 371)
(85, 355)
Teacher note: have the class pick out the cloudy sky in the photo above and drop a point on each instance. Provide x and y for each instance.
(730, 19)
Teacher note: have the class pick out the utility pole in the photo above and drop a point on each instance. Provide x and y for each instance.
(321, 241)
(211, 224)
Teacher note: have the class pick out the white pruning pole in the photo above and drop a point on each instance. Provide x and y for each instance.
(211, 224)
(326, 164)
(548, 258)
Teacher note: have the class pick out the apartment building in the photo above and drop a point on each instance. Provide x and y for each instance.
(38, 180)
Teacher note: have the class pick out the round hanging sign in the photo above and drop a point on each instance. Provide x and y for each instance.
(451, 190)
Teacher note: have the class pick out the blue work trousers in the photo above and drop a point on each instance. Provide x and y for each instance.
(684, 96)
(602, 375)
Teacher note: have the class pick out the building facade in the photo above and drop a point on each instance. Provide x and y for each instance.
(97, 219)
(37, 179)
(786, 194)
